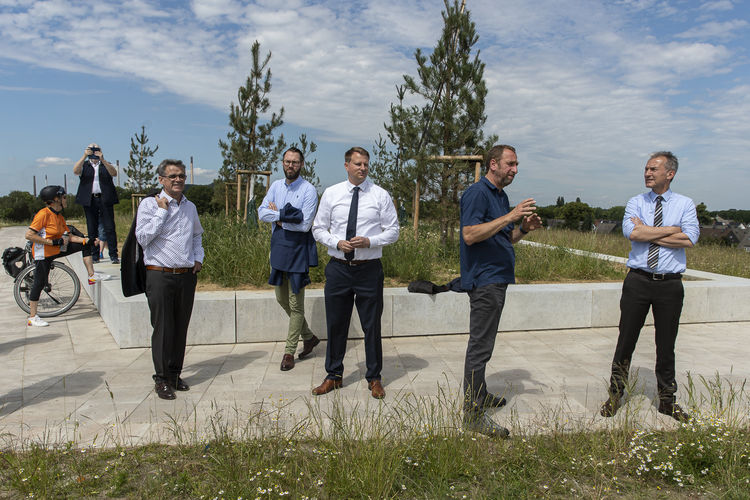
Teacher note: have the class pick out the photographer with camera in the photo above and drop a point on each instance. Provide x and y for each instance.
(97, 195)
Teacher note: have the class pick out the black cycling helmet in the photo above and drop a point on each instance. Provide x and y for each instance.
(49, 193)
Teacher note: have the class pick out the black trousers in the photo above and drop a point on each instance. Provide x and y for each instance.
(170, 299)
(665, 299)
(97, 212)
(487, 304)
(41, 272)
(346, 286)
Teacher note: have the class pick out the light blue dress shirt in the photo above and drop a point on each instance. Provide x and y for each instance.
(300, 193)
(677, 210)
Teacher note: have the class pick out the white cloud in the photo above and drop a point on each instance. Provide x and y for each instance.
(53, 161)
(719, 5)
(721, 30)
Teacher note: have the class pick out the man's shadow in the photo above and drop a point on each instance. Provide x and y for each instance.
(642, 382)
(511, 383)
(7, 347)
(198, 373)
(394, 367)
(71, 385)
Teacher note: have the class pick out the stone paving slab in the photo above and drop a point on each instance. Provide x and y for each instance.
(71, 382)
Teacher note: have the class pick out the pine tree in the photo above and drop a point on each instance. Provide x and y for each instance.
(250, 144)
(449, 120)
(141, 171)
(308, 171)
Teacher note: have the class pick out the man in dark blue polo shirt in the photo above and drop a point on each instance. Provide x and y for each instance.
(488, 230)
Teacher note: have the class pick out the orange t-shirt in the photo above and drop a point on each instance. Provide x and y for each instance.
(49, 225)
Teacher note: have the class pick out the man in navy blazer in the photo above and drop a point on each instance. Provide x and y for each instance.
(97, 194)
(290, 206)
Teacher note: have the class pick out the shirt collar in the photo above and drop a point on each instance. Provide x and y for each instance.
(164, 194)
(666, 195)
(296, 182)
(488, 183)
(364, 186)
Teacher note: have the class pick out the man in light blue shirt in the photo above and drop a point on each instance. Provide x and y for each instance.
(660, 224)
(289, 206)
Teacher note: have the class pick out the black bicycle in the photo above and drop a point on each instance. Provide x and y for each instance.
(59, 293)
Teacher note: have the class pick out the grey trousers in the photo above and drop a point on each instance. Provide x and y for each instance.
(486, 307)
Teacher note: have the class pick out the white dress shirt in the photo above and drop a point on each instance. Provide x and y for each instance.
(96, 188)
(376, 219)
(172, 237)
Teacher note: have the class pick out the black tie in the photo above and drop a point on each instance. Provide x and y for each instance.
(351, 224)
(653, 248)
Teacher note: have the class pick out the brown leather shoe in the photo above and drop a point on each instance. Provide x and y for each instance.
(164, 391)
(377, 389)
(307, 346)
(287, 362)
(327, 386)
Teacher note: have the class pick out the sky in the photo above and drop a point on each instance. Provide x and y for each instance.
(584, 89)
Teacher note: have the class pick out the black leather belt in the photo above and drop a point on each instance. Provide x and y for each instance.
(657, 276)
(353, 262)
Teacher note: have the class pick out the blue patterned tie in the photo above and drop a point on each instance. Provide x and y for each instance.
(653, 248)
(351, 224)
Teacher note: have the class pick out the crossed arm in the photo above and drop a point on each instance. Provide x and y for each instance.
(524, 212)
(665, 236)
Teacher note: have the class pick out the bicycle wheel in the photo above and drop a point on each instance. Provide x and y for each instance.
(58, 295)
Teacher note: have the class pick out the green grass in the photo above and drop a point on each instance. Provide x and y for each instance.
(411, 448)
(710, 257)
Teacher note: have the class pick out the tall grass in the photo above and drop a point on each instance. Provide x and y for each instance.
(710, 257)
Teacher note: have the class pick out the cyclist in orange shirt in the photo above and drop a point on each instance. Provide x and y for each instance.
(50, 238)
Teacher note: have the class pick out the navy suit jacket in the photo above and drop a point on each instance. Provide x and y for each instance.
(109, 193)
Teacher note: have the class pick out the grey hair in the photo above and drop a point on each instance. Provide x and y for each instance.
(162, 169)
(667, 155)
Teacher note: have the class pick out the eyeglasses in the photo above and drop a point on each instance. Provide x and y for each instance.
(295, 162)
(172, 177)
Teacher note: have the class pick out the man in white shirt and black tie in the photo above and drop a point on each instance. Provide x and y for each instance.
(355, 220)
(170, 233)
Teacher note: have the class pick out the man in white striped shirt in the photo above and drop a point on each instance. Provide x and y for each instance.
(170, 233)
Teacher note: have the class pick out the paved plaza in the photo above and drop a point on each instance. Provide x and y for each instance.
(71, 382)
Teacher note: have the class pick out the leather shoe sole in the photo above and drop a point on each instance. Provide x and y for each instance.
(164, 391)
(376, 388)
(610, 407)
(327, 386)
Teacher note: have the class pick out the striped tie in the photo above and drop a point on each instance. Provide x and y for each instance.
(653, 248)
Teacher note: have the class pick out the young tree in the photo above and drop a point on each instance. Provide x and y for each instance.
(250, 144)
(141, 171)
(448, 119)
(308, 171)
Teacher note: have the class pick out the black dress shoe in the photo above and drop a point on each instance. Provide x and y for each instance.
(492, 401)
(164, 391)
(180, 385)
(673, 410)
(307, 346)
(610, 407)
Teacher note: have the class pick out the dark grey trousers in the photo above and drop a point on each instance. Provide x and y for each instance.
(486, 307)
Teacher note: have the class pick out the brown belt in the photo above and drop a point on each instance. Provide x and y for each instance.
(353, 262)
(173, 270)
